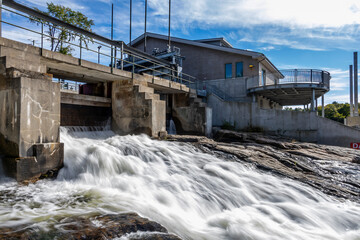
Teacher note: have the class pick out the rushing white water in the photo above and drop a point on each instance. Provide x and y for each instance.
(172, 127)
(192, 194)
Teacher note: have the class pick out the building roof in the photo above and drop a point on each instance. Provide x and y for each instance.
(227, 48)
(222, 42)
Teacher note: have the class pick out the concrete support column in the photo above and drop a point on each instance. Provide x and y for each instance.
(29, 126)
(323, 106)
(312, 100)
(136, 109)
(351, 91)
(356, 93)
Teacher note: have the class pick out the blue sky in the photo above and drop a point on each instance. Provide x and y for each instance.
(318, 34)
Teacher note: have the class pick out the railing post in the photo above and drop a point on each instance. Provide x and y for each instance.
(42, 37)
(122, 55)
(80, 50)
(311, 75)
(133, 67)
(112, 58)
(322, 77)
(295, 76)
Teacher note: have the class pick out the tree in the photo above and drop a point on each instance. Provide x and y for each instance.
(60, 36)
(336, 111)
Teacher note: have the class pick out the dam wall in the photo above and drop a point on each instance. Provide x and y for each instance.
(33, 106)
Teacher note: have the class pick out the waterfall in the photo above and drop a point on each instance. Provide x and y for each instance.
(172, 127)
(193, 194)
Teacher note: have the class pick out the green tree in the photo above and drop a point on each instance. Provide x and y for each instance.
(60, 36)
(336, 111)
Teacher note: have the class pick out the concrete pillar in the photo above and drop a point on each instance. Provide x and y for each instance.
(29, 126)
(351, 91)
(191, 115)
(312, 100)
(356, 93)
(136, 109)
(322, 106)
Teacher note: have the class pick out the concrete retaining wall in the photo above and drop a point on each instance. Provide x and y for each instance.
(303, 126)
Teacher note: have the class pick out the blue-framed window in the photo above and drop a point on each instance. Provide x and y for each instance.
(228, 70)
(239, 69)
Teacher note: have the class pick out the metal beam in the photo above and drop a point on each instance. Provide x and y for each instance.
(38, 14)
(322, 106)
(356, 92)
(351, 91)
(169, 23)
(35, 13)
(1, 3)
(130, 22)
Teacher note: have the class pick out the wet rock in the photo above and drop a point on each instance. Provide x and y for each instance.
(100, 227)
(356, 159)
(333, 170)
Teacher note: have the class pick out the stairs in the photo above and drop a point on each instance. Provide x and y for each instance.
(194, 100)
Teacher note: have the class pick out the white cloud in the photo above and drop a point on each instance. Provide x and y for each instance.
(68, 3)
(305, 13)
(333, 97)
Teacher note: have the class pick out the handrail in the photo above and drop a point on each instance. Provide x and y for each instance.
(313, 76)
(103, 41)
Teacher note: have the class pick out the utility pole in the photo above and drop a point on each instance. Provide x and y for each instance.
(112, 36)
(356, 113)
(1, 18)
(351, 91)
(130, 22)
(169, 44)
(145, 26)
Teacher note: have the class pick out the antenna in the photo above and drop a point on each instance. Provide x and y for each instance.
(130, 22)
(169, 44)
(145, 26)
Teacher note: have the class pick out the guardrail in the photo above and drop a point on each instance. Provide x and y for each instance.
(291, 76)
(207, 87)
(118, 52)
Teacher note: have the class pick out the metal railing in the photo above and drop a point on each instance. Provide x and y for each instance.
(118, 53)
(305, 76)
(217, 88)
(291, 76)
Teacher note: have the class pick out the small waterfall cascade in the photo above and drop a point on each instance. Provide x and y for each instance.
(193, 194)
(172, 127)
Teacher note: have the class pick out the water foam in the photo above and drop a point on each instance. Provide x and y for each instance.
(193, 194)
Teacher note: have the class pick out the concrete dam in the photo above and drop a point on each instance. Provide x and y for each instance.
(33, 107)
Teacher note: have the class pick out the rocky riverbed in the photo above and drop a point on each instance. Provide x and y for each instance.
(333, 170)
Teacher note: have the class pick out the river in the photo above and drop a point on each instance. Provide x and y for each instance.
(193, 194)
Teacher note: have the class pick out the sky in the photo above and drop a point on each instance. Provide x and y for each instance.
(316, 34)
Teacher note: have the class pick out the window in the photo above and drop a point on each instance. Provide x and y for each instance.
(263, 77)
(239, 69)
(228, 70)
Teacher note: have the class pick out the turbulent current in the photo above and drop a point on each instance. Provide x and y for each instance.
(193, 194)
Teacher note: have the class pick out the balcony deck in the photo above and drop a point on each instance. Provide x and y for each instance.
(296, 88)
